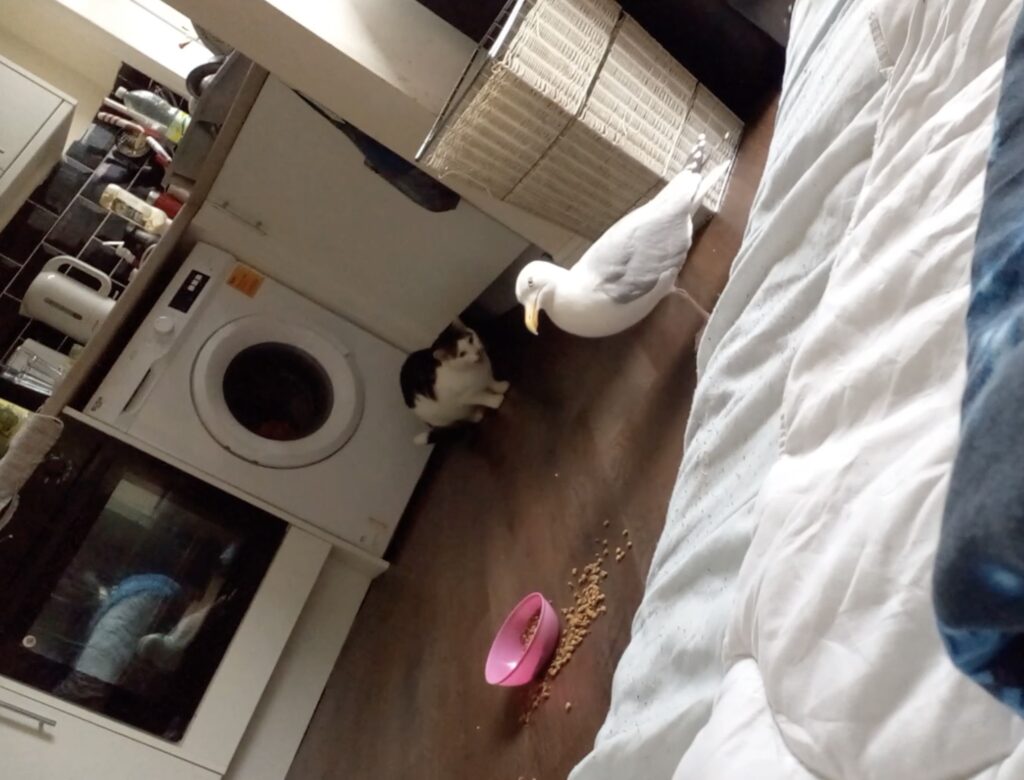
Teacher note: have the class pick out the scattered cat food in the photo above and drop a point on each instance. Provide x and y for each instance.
(531, 630)
(540, 694)
(568, 706)
(606, 523)
(575, 571)
(588, 606)
(629, 545)
(625, 532)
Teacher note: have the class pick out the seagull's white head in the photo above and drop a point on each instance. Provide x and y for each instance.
(534, 287)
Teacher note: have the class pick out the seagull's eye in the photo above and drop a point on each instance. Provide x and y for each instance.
(529, 282)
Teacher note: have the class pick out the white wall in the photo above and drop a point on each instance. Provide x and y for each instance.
(86, 92)
(384, 65)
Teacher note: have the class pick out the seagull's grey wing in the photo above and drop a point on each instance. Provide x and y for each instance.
(632, 264)
(636, 252)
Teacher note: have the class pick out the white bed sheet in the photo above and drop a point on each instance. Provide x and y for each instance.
(672, 670)
(836, 667)
(824, 427)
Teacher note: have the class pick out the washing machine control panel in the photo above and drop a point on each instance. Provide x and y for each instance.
(134, 375)
(189, 290)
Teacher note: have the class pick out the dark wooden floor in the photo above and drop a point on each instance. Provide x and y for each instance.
(591, 431)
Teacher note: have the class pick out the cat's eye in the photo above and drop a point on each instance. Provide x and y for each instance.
(462, 353)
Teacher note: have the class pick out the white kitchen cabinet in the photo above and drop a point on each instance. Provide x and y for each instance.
(291, 696)
(26, 107)
(76, 748)
(34, 122)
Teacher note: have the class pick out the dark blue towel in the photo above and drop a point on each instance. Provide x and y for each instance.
(979, 573)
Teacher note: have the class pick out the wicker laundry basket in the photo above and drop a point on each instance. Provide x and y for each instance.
(570, 110)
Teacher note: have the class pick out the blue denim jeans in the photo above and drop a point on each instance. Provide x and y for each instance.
(979, 571)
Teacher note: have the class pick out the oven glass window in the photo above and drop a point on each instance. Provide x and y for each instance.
(278, 391)
(137, 617)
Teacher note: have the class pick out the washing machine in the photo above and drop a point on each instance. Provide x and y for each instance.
(271, 396)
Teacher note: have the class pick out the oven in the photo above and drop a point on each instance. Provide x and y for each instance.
(124, 581)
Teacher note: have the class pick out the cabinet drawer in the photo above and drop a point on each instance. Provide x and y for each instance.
(26, 107)
(76, 748)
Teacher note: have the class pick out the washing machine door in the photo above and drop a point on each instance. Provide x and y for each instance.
(276, 393)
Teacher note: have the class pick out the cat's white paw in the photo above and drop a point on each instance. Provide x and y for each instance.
(422, 438)
(477, 416)
(490, 400)
(500, 387)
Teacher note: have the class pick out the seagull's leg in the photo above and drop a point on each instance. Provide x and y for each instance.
(692, 301)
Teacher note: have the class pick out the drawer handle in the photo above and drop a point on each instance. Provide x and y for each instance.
(42, 721)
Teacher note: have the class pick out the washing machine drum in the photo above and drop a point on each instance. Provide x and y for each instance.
(276, 393)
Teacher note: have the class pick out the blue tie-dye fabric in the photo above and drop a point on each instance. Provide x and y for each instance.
(979, 572)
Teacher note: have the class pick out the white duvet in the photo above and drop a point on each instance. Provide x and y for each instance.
(823, 433)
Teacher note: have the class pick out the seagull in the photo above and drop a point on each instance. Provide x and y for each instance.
(630, 268)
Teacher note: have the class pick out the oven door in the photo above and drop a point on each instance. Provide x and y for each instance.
(124, 581)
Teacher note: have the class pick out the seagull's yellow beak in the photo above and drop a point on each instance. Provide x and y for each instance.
(532, 314)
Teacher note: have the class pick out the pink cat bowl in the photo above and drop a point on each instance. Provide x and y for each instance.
(523, 645)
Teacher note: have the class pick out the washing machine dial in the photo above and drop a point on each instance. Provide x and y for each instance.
(164, 326)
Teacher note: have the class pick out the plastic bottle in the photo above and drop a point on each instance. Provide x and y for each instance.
(179, 192)
(159, 110)
(120, 201)
(170, 206)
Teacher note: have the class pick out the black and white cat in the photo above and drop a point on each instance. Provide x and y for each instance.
(450, 384)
